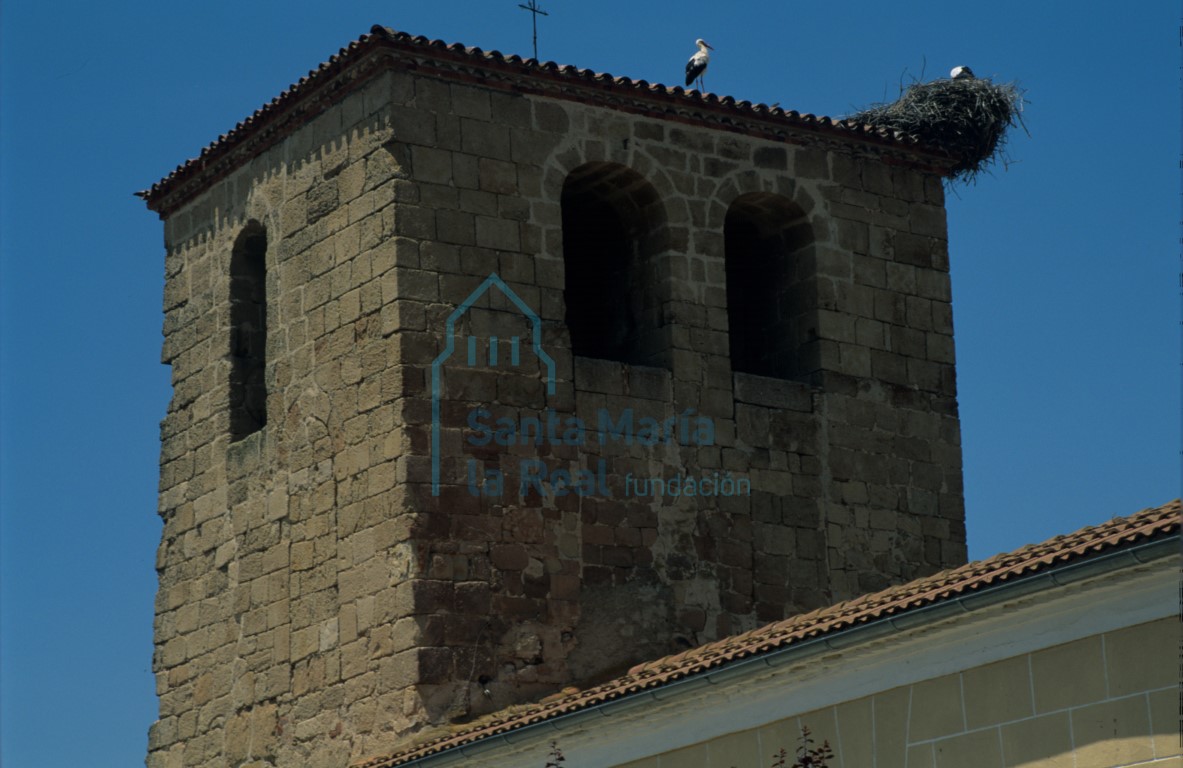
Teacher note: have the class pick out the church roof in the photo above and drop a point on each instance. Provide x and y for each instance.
(328, 83)
(1122, 535)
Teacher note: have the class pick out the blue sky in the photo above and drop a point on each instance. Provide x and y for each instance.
(1065, 269)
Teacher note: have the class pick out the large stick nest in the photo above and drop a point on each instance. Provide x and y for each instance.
(968, 118)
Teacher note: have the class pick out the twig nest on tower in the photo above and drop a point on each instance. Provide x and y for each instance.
(968, 118)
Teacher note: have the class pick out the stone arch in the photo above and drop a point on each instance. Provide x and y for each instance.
(264, 200)
(615, 253)
(771, 285)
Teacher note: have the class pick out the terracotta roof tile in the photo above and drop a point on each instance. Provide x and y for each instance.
(1155, 523)
(283, 113)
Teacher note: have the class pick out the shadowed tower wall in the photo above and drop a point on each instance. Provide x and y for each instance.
(694, 263)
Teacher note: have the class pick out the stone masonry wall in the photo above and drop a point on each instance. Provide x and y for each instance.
(318, 603)
(261, 536)
(855, 473)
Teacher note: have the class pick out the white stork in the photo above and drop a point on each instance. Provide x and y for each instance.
(962, 73)
(698, 63)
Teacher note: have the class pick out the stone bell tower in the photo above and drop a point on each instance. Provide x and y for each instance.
(493, 377)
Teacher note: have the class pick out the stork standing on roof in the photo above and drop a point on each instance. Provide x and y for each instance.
(698, 63)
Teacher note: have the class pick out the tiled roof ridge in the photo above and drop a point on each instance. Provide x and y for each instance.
(1149, 523)
(380, 36)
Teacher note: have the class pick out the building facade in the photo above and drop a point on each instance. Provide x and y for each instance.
(493, 377)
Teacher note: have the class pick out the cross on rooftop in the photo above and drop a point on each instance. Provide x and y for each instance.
(533, 8)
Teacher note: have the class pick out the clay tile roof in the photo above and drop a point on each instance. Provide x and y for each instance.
(304, 98)
(1116, 534)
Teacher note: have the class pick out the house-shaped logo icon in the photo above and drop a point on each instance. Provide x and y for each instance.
(493, 357)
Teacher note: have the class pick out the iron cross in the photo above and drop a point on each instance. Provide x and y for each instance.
(535, 10)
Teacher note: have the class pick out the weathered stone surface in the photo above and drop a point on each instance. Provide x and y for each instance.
(317, 602)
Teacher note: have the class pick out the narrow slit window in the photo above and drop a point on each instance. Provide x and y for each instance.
(248, 332)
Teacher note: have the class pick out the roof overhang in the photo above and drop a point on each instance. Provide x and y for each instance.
(384, 49)
(1099, 578)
